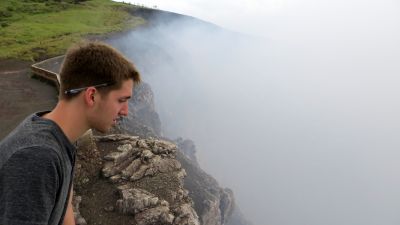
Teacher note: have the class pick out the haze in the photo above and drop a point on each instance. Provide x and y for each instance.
(304, 123)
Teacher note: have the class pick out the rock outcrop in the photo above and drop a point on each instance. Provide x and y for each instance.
(79, 220)
(138, 180)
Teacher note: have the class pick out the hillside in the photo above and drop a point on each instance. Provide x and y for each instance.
(32, 29)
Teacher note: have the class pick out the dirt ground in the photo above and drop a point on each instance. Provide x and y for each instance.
(21, 95)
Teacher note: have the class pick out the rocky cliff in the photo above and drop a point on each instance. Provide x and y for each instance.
(123, 179)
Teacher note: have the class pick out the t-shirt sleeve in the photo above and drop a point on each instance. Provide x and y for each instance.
(29, 182)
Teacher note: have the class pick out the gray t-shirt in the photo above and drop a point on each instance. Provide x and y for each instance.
(36, 172)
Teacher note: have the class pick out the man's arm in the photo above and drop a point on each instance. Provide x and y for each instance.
(69, 214)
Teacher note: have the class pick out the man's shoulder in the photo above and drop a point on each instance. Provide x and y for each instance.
(30, 136)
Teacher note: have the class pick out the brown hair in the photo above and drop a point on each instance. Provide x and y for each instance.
(93, 63)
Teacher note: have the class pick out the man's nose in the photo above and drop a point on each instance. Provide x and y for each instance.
(124, 110)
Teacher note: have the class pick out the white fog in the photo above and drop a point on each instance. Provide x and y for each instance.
(301, 117)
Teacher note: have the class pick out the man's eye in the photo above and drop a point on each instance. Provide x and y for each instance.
(123, 100)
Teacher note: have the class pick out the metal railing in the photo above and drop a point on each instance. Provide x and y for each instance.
(49, 69)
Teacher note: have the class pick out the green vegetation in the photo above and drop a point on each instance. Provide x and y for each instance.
(30, 29)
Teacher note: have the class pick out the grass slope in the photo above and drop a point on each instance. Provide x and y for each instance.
(30, 29)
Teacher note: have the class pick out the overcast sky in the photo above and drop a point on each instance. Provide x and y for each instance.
(278, 18)
(242, 15)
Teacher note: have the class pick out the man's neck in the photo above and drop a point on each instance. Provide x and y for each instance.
(69, 117)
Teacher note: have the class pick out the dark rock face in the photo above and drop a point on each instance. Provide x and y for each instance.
(213, 204)
(142, 119)
(237, 218)
(188, 148)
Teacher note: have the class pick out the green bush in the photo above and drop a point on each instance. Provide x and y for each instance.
(4, 24)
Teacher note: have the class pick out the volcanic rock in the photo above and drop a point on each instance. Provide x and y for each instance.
(140, 182)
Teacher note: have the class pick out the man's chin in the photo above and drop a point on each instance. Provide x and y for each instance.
(112, 128)
(105, 130)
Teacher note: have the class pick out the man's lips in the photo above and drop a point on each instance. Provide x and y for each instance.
(117, 120)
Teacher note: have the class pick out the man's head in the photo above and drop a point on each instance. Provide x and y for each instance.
(94, 64)
(101, 80)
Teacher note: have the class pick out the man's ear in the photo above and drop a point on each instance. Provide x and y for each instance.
(89, 96)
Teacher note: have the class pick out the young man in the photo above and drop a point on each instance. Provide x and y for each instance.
(37, 158)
